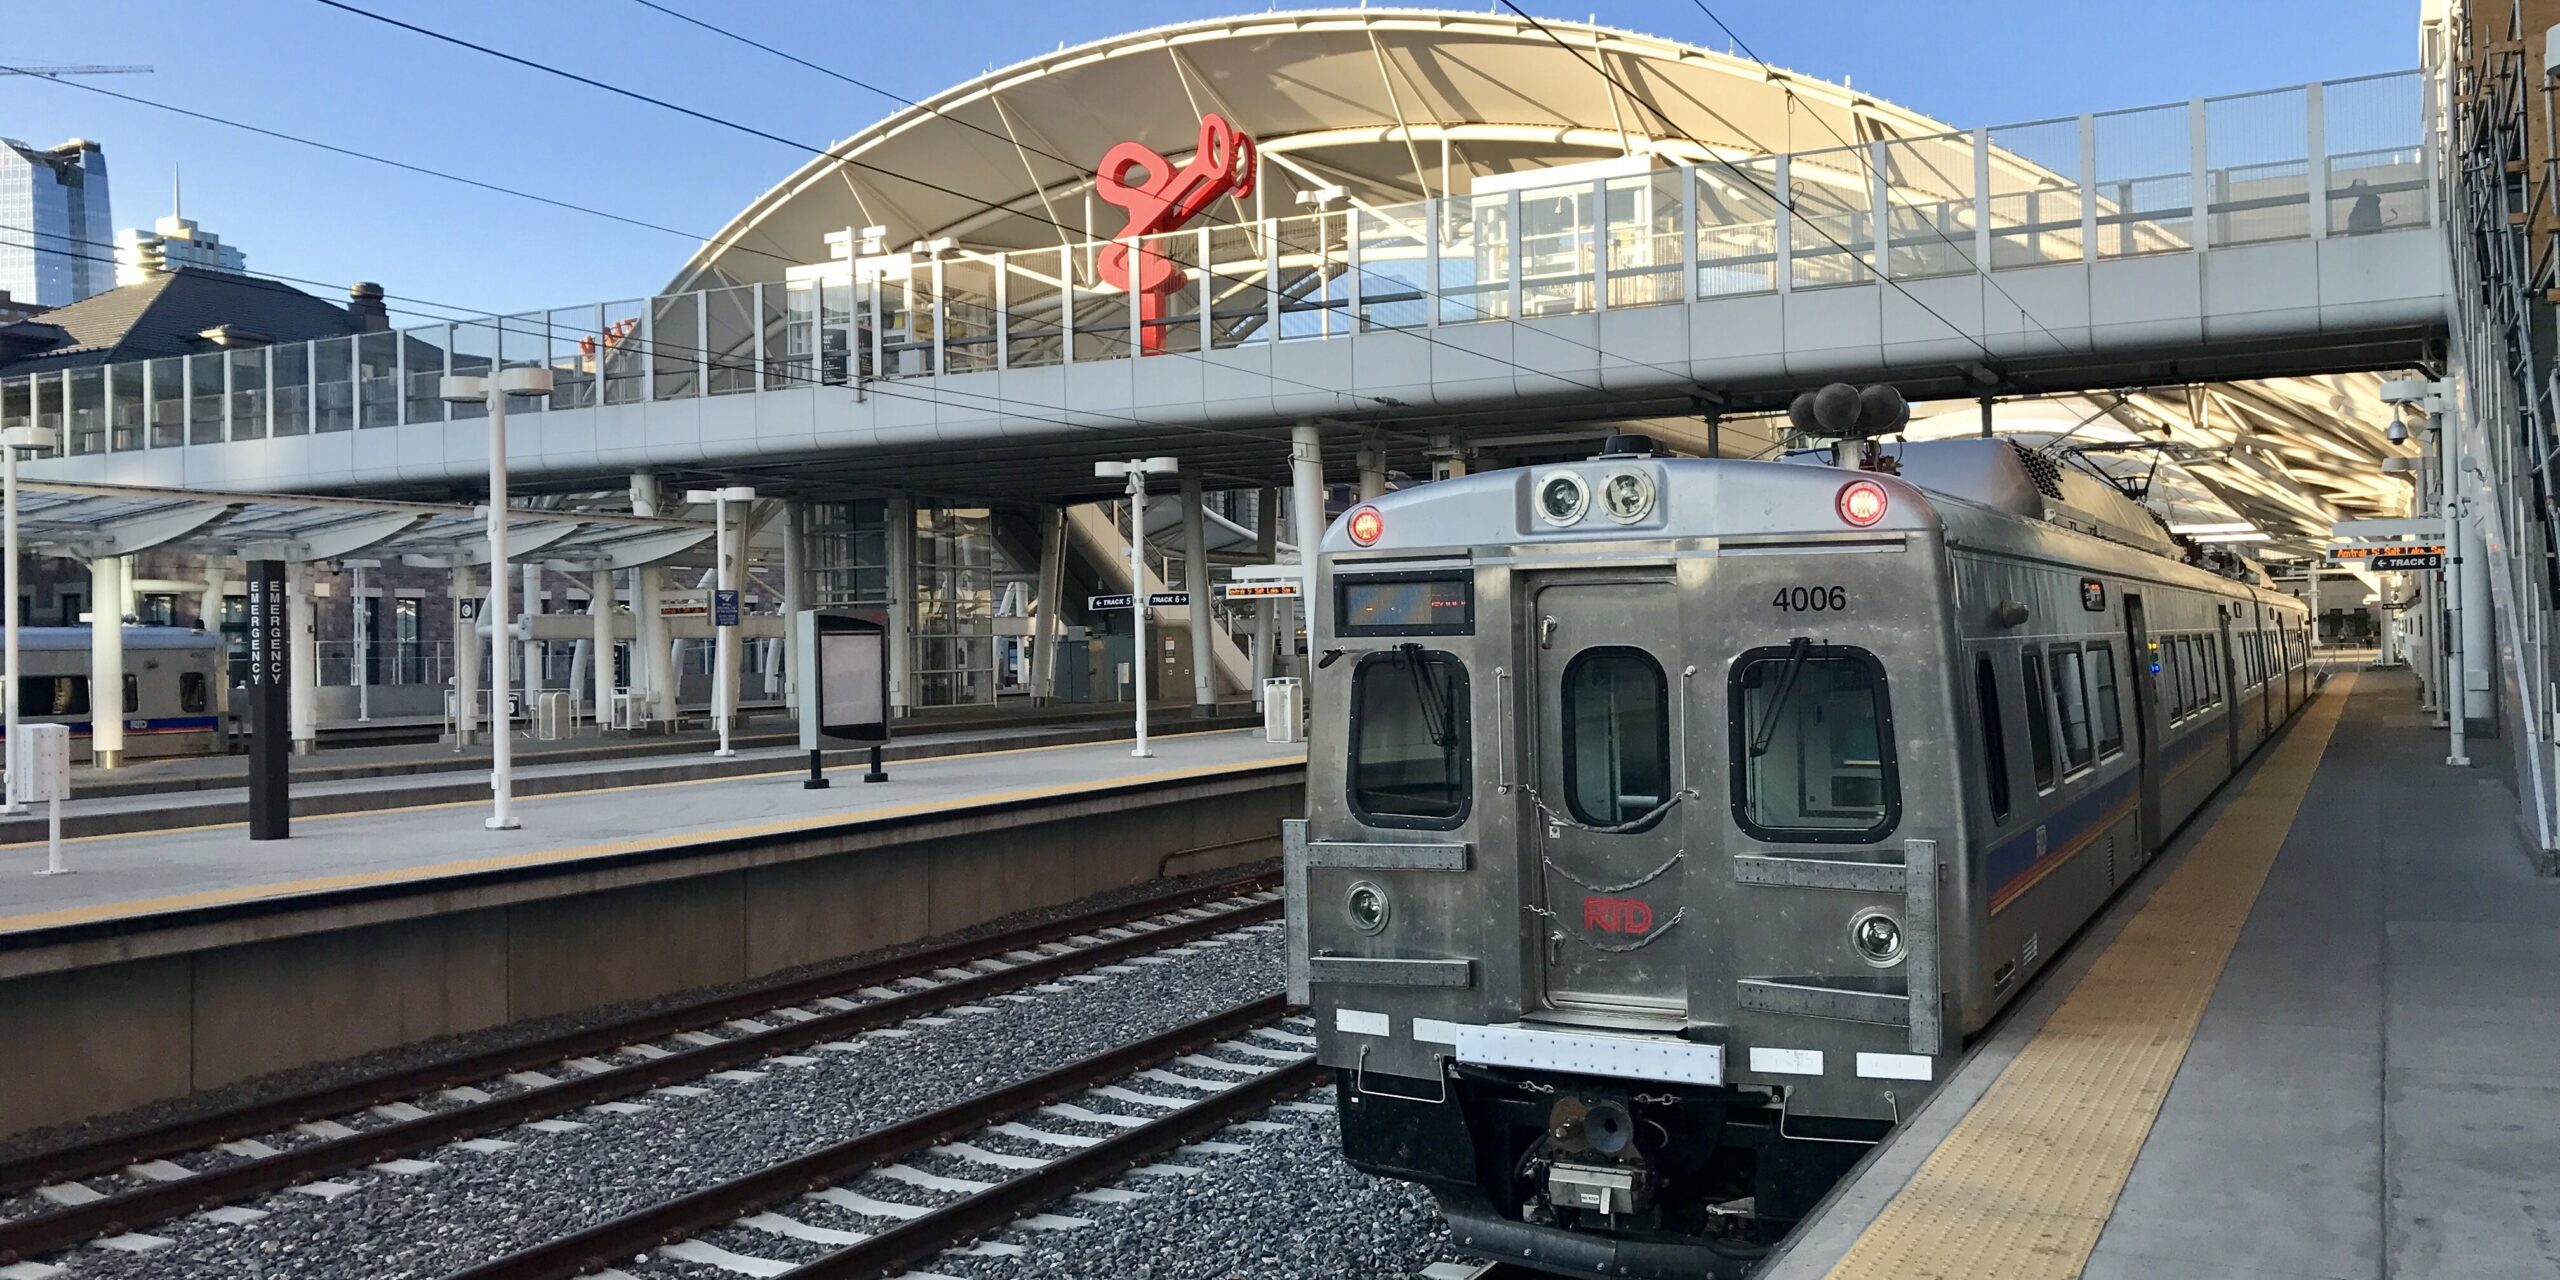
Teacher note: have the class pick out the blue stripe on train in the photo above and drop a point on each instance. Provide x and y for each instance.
(2013, 860)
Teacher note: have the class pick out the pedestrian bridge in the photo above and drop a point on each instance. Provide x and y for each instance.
(2289, 231)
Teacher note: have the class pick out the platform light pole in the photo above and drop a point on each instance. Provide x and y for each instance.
(1136, 471)
(16, 440)
(724, 696)
(467, 389)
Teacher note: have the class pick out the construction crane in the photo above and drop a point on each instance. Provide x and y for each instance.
(57, 73)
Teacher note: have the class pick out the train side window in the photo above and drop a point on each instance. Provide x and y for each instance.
(1617, 736)
(194, 693)
(2102, 698)
(53, 695)
(2039, 718)
(1995, 747)
(1409, 739)
(132, 694)
(2179, 703)
(2209, 652)
(1812, 745)
(2071, 695)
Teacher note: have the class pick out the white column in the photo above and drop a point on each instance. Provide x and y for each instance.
(301, 622)
(902, 604)
(1195, 579)
(12, 583)
(209, 608)
(106, 662)
(1141, 661)
(1373, 470)
(2454, 698)
(1266, 550)
(2479, 697)
(1053, 587)
(724, 640)
(466, 659)
(600, 642)
(532, 648)
(360, 646)
(1306, 521)
(795, 594)
(650, 665)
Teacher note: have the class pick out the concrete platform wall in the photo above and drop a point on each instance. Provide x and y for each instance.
(137, 1020)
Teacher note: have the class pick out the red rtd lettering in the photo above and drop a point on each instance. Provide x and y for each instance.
(1617, 915)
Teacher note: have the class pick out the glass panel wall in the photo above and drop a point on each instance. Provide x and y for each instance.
(624, 360)
(124, 406)
(1239, 287)
(333, 377)
(1032, 333)
(474, 355)
(772, 316)
(1647, 216)
(849, 553)
(423, 351)
(1312, 288)
(2145, 182)
(204, 404)
(2376, 176)
(1557, 253)
(1392, 269)
(249, 403)
(289, 381)
(1475, 258)
(86, 422)
(1834, 234)
(730, 319)
(675, 346)
(168, 391)
(574, 351)
(1929, 206)
(1737, 228)
(955, 654)
(378, 379)
(524, 342)
(969, 313)
(2257, 167)
(2035, 194)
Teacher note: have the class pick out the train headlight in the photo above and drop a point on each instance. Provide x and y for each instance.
(1862, 502)
(1368, 907)
(1366, 525)
(1627, 496)
(1877, 937)
(1563, 498)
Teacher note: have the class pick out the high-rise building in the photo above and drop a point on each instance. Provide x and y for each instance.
(173, 241)
(54, 200)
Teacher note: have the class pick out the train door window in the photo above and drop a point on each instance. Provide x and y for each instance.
(2179, 705)
(2039, 718)
(1617, 736)
(2209, 653)
(53, 695)
(2102, 699)
(1995, 747)
(1409, 739)
(2071, 697)
(195, 695)
(1812, 744)
(132, 694)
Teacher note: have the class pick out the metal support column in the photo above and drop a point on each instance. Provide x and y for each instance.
(106, 662)
(600, 643)
(902, 604)
(1047, 627)
(1195, 580)
(1266, 550)
(651, 667)
(795, 592)
(302, 636)
(466, 656)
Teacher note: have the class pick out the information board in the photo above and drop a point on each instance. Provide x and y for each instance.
(270, 696)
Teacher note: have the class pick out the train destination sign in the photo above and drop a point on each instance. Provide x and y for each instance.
(2382, 557)
(1277, 589)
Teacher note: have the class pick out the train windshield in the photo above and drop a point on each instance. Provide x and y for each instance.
(1813, 745)
(1409, 736)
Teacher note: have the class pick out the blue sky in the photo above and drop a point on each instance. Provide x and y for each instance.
(298, 66)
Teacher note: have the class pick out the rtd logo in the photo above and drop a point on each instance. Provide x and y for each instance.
(1617, 915)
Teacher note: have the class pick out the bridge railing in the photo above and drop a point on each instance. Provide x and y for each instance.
(2340, 158)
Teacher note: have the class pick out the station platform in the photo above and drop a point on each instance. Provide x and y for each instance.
(2321, 1042)
(192, 791)
(164, 871)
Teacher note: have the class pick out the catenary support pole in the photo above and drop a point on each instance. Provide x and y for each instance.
(600, 643)
(106, 662)
(1266, 550)
(302, 637)
(466, 657)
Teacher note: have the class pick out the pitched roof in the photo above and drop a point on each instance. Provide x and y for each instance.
(166, 314)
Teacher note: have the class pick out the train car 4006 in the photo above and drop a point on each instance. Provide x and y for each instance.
(1671, 822)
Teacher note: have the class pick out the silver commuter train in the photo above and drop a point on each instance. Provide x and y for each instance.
(174, 695)
(1672, 822)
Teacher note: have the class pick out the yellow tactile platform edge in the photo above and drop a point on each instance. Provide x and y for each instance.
(2024, 1185)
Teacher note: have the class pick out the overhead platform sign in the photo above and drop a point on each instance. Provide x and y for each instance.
(2388, 557)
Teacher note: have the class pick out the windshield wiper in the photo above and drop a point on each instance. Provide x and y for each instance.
(1439, 719)
(1796, 650)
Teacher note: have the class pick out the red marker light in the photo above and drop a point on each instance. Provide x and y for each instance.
(1861, 502)
(1366, 525)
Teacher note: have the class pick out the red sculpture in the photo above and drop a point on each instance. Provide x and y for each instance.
(1164, 199)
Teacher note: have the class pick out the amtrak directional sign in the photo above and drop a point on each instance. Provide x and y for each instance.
(2387, 557)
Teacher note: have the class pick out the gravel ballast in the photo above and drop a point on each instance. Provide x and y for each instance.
(475, 1205)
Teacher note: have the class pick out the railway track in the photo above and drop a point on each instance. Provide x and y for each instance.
(759, 1024)
(1269, 1075)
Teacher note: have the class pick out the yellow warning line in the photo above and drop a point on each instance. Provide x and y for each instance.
(2023, 1186)
(543, 857)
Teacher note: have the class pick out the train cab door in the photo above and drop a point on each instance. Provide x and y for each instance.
(1606, 738)
(2145, 659)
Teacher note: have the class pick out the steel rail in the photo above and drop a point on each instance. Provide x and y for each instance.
(116, 1214)
(712, 1207)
